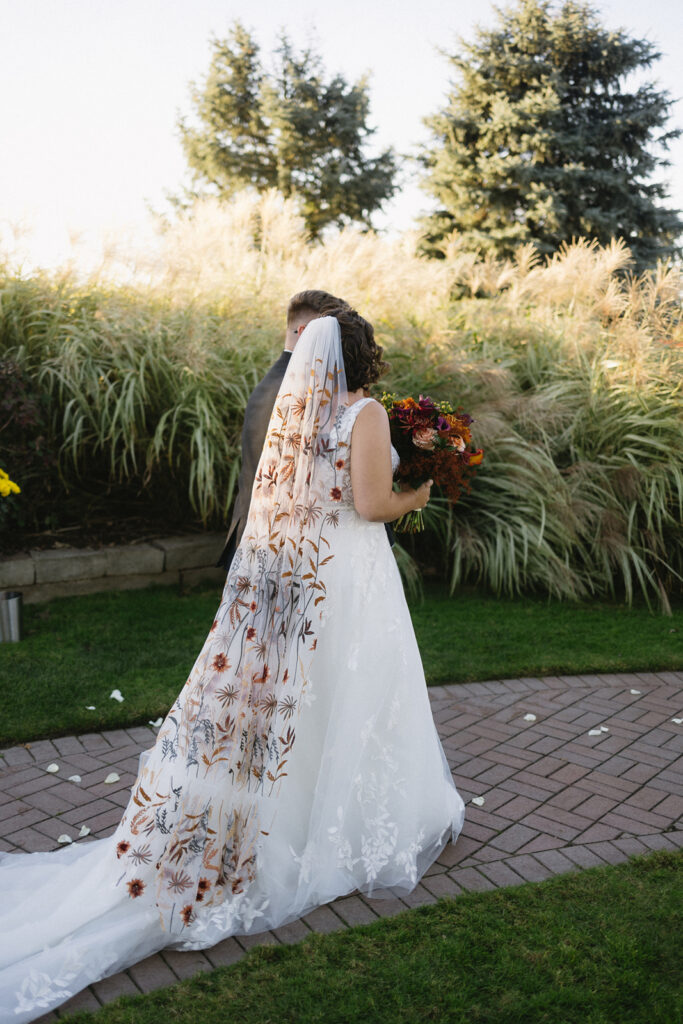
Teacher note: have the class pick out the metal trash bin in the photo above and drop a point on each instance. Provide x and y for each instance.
(11, 616)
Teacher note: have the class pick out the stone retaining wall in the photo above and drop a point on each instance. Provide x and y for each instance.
(63, 572)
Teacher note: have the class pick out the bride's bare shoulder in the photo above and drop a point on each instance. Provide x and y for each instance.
(372, 417)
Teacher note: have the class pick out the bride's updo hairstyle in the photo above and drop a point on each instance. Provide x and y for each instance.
(362, 355)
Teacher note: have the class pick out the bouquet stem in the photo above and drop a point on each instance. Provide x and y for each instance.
(411, 522)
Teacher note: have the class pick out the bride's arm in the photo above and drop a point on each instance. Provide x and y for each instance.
(371, 476)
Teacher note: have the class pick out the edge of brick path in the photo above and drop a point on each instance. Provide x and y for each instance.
(620, 794)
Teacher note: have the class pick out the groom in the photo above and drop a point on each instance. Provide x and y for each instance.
(303, 307)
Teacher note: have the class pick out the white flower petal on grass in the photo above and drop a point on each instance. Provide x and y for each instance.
(52, 768)
(157, 723)
(85, 831)
(635, 692)
(478, 800)
(678, 721)
(603, 728)
(65, 839)
(116, 695)
(74, 778)
(594, 732)
(112, 777)
(89, 707)
(530, 718)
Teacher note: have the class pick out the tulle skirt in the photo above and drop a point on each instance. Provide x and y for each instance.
(368, 804)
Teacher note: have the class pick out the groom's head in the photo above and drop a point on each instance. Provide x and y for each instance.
(306, 306)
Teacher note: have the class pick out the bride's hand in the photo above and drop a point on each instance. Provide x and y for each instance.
(422, 494)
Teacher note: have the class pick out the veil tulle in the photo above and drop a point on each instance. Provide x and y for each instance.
(207, 791)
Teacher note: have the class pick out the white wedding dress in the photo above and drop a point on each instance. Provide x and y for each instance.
(366, 800)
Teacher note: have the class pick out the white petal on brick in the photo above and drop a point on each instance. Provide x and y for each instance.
(89, 707)
(478, 800)
(157, 723)
(603, 728)
(116, 695)
(594, 732)
(635, 692)
(52, 768)
(678, 721)
(65, 839)
(74, 778)
(112, 777)
(530, 718)
(85, 831)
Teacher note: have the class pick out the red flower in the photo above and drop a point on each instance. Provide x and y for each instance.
(220, 663)
(251, 633)
(336, 494)
(123, 847)
(136, 887)
(340, 463)
(253, 606)
(187, 914)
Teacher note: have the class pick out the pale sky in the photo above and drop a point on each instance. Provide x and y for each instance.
(91, 90)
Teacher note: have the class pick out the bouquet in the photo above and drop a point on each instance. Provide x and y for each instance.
(431, 439)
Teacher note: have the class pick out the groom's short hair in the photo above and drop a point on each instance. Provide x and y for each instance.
(313, 302)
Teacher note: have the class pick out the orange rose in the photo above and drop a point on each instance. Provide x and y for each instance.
(425, 438)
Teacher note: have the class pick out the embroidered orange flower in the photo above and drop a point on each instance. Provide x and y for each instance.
(203, 886)
(123, 847)
(340, 463)
(253, 606)
(336, 494)
(136, 887)
(187, 914)
(251, 633)
(220, 663)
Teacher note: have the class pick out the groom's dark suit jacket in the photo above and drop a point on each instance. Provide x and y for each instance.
(256, 419)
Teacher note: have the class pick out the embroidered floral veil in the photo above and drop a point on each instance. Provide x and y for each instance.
(207, 791)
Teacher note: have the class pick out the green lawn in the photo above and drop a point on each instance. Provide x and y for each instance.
(144, 642)
(596, 947)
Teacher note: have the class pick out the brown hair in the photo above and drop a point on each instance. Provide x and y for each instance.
(314, 302)
(362, 355)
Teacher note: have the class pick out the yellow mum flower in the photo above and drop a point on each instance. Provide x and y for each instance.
(7, 486)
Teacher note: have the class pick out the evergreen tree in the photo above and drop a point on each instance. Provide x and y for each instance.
(290, 129)
(541, 140)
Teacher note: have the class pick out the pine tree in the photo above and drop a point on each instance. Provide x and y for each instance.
(290, 129)
(542, 141)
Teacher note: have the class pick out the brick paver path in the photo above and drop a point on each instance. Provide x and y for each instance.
(555, 798)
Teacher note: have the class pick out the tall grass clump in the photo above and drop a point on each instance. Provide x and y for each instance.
(571, 368)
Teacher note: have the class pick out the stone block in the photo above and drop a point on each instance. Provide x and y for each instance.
(69, 564)
(47, 591)
(134, 560)
(191, 552)
(17, 571)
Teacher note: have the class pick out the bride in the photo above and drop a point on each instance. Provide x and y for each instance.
(300, 761)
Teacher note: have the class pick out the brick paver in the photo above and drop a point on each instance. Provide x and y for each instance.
(555, 798)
